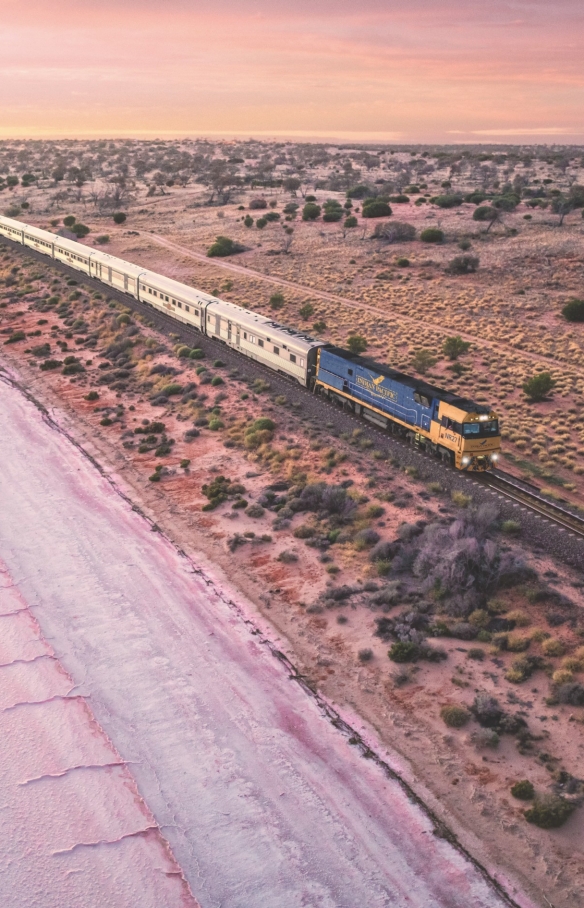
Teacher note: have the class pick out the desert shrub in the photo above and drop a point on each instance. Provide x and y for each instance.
(507, 202)
(375, 208)
(432, 235)
(460, 499)
(365, 539)
(304, 531)
(571, 693)
(106, 421)
(50, 364)
(331, 215)
(485, 737)
(287, 557)
(258, 204)
(538, 387)
(15, 337)
(522, 669)
(404, 651)
(511, 527)
(422, 360)
(350, 222)
(486, 710)
(102, 239)
(447, 201)
(552, 647)
(573, 311)
(72, 368)
(217, 380)
(119, 217)
(454, 716)
(311, 211)
(69, 220)
(276, 301)
(80, 230)
(518, 644)
(93, 395)
(197, 353)
(215, 424)
(183, 351)
(357, 343)
(523, 790)
(453, 347)
(485, 213)
(549, 812)
(365, 655)
(476, 653)
(463, 264)
(255, 511)
(224, 246)
(395, 232)
(306, 310)
(171, 389)
(248, 220)
(359, 192)
(261, 223)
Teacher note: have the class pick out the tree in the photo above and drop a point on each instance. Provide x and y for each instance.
(573, 311)
(350, 222)
(119, 217)
(486, 213)
(562, 205)
(463, 264)
(432, 235)
(289, 236)
(375, 208)
(453, 347)
(310, 212)
(292, 184)
(69, 220)
(357, 343)
(307, 310)
(80, 230)
(223, 246)
(423, 360)
(538, 387)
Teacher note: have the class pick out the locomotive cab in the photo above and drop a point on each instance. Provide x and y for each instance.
(471, 436)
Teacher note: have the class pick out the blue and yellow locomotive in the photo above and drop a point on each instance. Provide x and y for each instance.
(461, 432)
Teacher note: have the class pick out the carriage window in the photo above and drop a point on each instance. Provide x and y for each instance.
(187, 309)
(302, 363)
(260, 342)
(277, 351)
(292, 358)
(245, 335)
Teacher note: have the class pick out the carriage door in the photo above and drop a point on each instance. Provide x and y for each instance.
(237, 336)
(229, 332)
(218, 325)
(126, 283)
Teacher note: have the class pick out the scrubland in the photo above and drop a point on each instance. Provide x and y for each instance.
(424, 614)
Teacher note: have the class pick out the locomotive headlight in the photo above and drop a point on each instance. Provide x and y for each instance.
(465, 460)
(483, 418)
(495, 457)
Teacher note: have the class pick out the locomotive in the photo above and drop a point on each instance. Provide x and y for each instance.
(461, 432)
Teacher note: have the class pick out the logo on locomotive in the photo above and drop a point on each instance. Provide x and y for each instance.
(374, 385)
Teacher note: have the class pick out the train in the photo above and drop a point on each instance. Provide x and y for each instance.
(459, 431)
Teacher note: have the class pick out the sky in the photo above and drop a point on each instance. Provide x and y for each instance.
(447, 71)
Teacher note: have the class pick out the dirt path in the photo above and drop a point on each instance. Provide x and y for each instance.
(353, 304)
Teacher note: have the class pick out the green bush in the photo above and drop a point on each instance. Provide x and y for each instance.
(511, 527)
(171, 389)
(311, 212)
(351, 222)
(453, 347)
(523, 790)
(358, 192)
(217, 380)
(447, 201)
(375, 208)
(69, 220)
(248, 220)
(80, 230)
(102, 239)
(119, 217)
(261, 223)
(332, 215)
(197, 353)
(463, 264)
(216, 424)
(404, 651)
(15, 337)
(454, 716)
(538, 387)
(432, 235)
(573, 311)
(276, 301)
(93, 395)
(306, 311)
(224, 246)
(357, 343)
(485, 213)
(549, 812)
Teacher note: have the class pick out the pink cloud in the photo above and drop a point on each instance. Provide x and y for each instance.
(422, 70)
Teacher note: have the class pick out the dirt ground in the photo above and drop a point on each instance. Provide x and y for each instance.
(510, 312)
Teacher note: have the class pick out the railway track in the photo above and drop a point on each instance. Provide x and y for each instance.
(499, 484)
(516, 491)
